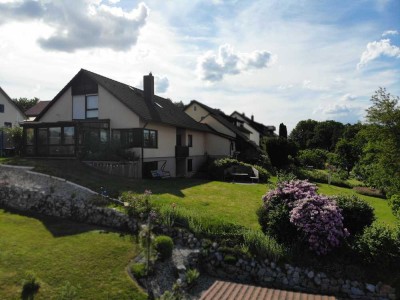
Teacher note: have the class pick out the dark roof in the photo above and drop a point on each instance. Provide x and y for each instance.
(161, 111)
(37, 108)
(12, 102)
(229, 290)
(258, 126)
(222, 118)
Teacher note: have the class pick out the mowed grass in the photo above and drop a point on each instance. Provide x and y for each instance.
(57, 251)
(235, 203)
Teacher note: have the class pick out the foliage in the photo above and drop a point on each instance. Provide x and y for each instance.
(138, 270)
(357, 214)
(282, 131)
(15, 138)
(312, 157)
(175, 294)
(279, 150)
(394, 203)
(217, 167)
(322, 177)
(192, 275)
(380, 245)
(138, 205)
(380, 162)
(320, 220)
(24, 103)
(30, 285)
(348, 153)
(363, 190)
(294, 206)
(68, 292)
(303, 133)
(164, 246)
(326, 135)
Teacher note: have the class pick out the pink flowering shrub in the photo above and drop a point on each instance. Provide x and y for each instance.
(294, 212)
(320, 220)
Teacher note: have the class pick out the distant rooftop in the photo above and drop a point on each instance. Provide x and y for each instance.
(36, 109)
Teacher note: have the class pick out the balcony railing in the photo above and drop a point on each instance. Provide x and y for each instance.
(181, 151)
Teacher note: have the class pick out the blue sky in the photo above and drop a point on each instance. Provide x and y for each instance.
(282, 61)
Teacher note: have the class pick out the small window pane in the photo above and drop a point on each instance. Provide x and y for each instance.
(92, 114)
(30, 136)
(69, 135)
(55, 135)
(103, 135)
(78, 104)
(92, 102)
(42, 136)
(1, 108)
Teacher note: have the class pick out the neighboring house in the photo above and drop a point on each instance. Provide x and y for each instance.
(258, 130)
(10, 113)
(245, 148)
(10, 116)
(92, 111)
(35, 110)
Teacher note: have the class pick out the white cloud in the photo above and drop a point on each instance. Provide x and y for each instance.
(348, 98)
(376, 49)
(213, 66)
(337, 109)
(162, 84)
(79, 24)
(390, 32)
(113, 1)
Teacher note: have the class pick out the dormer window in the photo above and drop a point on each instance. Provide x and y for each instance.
(85, 107)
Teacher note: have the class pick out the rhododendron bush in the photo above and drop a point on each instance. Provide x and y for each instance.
(294, 211)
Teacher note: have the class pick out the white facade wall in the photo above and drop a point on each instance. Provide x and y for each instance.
(196, 112)
(111, 108)
(254, 135)
(199, 142)
(61, 110)
(217, 126)
(218, 146)
(11, 114)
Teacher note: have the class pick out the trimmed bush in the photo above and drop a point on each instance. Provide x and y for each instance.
(363, 190)
(138, 270)
(380, 245)
(394, 203)
(164, 246)
(217, 167)
(313, 157)
(357, 214)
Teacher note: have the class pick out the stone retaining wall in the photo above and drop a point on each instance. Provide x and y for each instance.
(271, 274)
(25, 190)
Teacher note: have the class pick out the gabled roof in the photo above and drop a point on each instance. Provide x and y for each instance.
(220, 117)
(36, 109)
(161, 111)
(258, 126)
(12, 102)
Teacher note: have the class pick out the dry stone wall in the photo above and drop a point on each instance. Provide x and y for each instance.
(23, 189)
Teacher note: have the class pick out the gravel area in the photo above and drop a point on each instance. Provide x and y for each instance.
(166, 273)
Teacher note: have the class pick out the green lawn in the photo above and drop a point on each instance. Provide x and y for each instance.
(232, 202)
(58, 251)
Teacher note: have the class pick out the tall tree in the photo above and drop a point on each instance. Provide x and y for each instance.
(303, 133)
(25, 103)
(282, 131)
(380, 163)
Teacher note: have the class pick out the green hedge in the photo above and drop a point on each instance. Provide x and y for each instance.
(164, 246)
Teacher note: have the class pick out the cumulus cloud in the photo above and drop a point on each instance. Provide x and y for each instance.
(214, 66)
(162, 84)
(348, 98)
(376, 49)
(337, 109)
(390, 32)
(80, 24)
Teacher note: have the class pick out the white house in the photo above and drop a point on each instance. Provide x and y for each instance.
(93, 111)
(10, 113)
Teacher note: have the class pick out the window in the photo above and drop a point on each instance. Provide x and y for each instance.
(92, 107)
(190, 140)
(85, 107)
(55, 135)
(179, 140)
(124, 137)
(69, 136)
(7, 124)
(30, 136)
(1, 108)
(190, 165)
(149, 138)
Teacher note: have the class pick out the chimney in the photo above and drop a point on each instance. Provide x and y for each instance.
(252, 118)
(148, 88)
